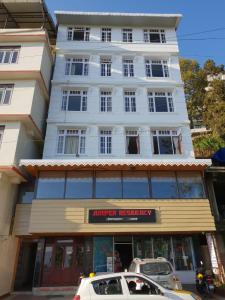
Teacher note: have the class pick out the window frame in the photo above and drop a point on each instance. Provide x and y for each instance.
(105, 101)
(105, 66)
(162, 62)
(12, 50)
(172, 133)
(148, 32)
(105, 141)
(2, 129)
(61, 140)
(106, 34)
(130, 104)
(66, 99)
(5, 88)
(72, 30)
(71, 66)
(152, 95)
(132, 133)
(128, 67)
(127, 35)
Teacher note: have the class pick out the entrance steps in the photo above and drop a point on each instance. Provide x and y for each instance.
(55, 291)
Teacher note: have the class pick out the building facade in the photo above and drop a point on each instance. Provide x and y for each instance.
(25, 70)
(118, 178)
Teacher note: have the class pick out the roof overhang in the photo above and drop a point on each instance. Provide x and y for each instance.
(27, 14)
(33, 166)
(14, 173)
(118, 19)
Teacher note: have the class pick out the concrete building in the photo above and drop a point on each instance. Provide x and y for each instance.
(118, 178)
(25, 71)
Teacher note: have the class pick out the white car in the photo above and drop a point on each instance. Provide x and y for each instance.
(122, 286)
(159, 269)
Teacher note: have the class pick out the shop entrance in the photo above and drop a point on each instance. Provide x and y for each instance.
(123, 252)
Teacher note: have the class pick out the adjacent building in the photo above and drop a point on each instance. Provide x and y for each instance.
(25, 70)
(118, 178)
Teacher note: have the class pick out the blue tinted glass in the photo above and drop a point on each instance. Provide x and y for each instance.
(190, 185)
(165, 145)
(51, 185)
(135, 185)
(79, 185)
(163, 185)
(160, 104)
(157, 70)
(108, 185)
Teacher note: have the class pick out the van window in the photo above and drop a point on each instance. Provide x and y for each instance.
(156, 268)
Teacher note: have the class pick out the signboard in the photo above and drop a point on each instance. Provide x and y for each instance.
(122, 215)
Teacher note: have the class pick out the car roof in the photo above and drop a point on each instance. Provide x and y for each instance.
(150, 260)
(110, 275)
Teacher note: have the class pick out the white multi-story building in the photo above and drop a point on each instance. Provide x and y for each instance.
(25, 70)
(118, 175)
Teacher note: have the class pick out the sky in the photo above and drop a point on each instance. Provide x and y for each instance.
(201, 33)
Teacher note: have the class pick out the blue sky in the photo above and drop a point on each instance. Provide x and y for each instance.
(205, 16)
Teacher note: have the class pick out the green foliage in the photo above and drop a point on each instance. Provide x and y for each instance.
(206, 145)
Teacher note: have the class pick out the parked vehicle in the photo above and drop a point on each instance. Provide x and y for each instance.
(159, 269)
(122, 286)
(205, 282)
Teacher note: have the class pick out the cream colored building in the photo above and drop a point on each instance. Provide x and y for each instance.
(25, 70)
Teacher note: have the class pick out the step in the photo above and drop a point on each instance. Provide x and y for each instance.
(55, 291)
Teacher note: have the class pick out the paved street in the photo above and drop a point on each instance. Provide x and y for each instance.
(30, 297)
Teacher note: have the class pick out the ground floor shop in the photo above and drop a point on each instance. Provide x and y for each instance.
(59, 261)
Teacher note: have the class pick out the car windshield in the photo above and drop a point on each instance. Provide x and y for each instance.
(156, 268)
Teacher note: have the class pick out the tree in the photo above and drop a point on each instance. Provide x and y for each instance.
(214, 108)
(210, 68)
(194, 88)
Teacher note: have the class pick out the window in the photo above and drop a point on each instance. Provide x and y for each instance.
(130, 101)
(48, 257)
(128, 68)
(74, 100)
(160, 102)
(71, 141)
(105, 141)
(9, 55)
(135, 185)
(51, 185)
(166, 142)
(108, 286)
(127, 35)
(183, 253)
(2, 128)
(132, 142)
(190, 185)
(105, 66)
(106, 34)
(79, 185)
(78, 33)
(77, 66)
(141, 286)
(6, 93)
(106, 101)
(26, 192)
(164, 185)
(108, 184)
(154, 36)
(156, 68)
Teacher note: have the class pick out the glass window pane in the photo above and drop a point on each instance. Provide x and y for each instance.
(165, 145)
(78, 69)
(162, 248)
(164, 185)
(154, 38)
(157, 70)
(190, 185)
(182, 253)
(51, 185)
(79, 185)
(68, 259)
(160, 104)
(108, 184)
(74, 103)
(48, 256)
(103, 254)
(135, 185)
(59, 256)
(78, 35)
(26, 192)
